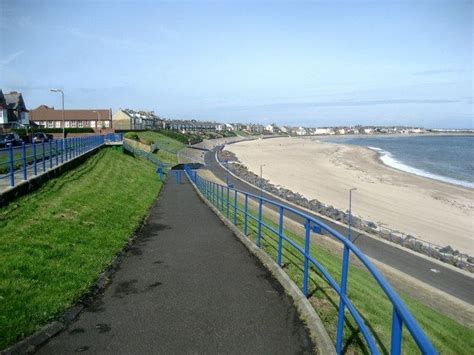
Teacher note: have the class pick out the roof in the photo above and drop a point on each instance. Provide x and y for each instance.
(2, 99)
(45, 113)
(140, 114)
(14, 101)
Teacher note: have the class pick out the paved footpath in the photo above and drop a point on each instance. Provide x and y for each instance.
(187, 286)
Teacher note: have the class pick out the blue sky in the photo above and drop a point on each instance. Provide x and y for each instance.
(320, 63)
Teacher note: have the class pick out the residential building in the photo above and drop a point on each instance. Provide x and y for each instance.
(323, 131)
(272, 128)
(301, 131)
(13, 111)
(48, 117)
(127, 119)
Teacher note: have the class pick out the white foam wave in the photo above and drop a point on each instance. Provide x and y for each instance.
(388, 159)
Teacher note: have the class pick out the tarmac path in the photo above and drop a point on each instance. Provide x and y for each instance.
(187, 286)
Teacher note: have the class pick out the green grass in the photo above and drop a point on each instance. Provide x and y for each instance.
(447, 335)
(168, 147)
(56, 241)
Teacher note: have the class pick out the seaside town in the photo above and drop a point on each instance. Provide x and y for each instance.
(236, 177)
(14, 114)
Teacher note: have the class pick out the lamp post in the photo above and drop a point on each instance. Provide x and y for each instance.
(350, 212)
(62, 96)
(261, 179)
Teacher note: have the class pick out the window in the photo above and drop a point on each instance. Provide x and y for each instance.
(73, 124)
(67, 124)
(92, 123)
(107, 124)
(50, 124)
(81, 124)
(57, 124)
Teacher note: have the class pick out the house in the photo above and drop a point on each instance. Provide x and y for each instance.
(230, 127)
(127, 119)
(48, 117)
(286, 129)
(13, 111)
(323, 131)
(272, 128)
(301, 131)
(254, 128)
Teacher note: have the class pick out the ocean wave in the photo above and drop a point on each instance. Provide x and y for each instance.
(388, 159)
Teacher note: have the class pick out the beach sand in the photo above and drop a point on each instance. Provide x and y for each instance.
(434, 211)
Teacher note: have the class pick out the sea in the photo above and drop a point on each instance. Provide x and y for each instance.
(445, 158)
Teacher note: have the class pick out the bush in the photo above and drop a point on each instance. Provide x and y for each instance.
(132, 135)
(147, 141)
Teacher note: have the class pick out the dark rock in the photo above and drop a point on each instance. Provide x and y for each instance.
(447, 250)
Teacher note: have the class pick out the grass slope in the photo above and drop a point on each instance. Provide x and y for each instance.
(168, 147)
(56, 241)
(447, 335)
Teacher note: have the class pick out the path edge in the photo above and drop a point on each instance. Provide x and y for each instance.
(33, 342)
(306, 312)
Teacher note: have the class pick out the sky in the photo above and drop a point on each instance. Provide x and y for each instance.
(319, 63)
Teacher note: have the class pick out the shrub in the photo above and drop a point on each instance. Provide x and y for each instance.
(146, 141)
(132, 135)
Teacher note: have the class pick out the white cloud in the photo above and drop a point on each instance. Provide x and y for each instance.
(10, 58)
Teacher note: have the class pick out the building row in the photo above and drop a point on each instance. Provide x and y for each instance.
(14, 114)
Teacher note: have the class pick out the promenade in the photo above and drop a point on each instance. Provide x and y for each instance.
(186, 286)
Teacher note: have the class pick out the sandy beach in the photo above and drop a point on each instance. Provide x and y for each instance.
(432, 210)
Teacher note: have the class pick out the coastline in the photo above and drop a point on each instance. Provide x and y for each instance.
(387, 157)
(432, 210)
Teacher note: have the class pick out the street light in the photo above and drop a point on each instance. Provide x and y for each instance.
(350, 212)
(261, 179)
(62, 96)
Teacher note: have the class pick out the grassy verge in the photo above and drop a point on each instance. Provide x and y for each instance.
(56, 241)
(168, 147)
(447, 335)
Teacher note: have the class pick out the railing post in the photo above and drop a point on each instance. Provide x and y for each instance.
(50, 144)
(12, 166)
(228, 202)
(235, 207)
(222, 198)
(56, 151)
(246, 214)
(306, 257)
(280, 236)
(43, 156)
(342, 304)
(259, 230)
(397, 323)
(214, 193)
(25, 167)
(35, 168)
(65, 146)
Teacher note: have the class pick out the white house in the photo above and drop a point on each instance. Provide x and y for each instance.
(322, 131)
(301, 131)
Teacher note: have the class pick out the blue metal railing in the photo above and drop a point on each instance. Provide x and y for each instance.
(221, 195)
(114, 137)
(22, 162)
